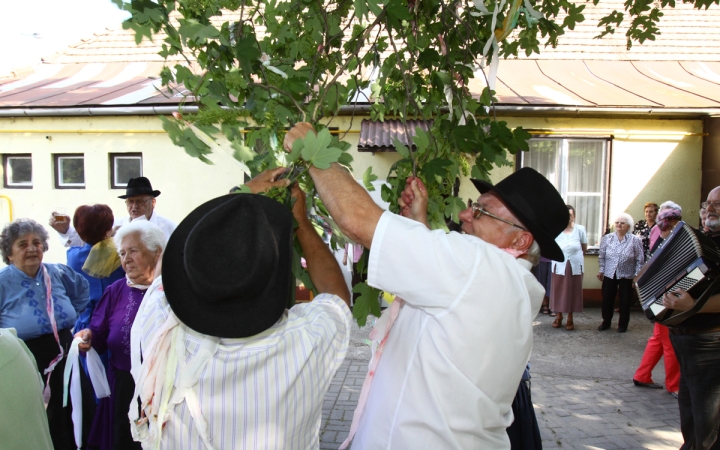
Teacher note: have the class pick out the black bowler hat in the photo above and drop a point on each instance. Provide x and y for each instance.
(538, 205)
(227, 269)
(139, 186)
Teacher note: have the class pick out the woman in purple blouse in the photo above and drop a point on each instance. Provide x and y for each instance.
(140, 245)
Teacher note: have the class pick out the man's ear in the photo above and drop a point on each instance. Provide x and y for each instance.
(523, 241)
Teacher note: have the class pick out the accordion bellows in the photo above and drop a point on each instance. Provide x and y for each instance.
(688, 260)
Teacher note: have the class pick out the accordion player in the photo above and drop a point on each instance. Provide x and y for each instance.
(688, 260)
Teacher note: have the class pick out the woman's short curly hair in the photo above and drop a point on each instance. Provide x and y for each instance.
(17, 229)
(92, 223)
(628, 219)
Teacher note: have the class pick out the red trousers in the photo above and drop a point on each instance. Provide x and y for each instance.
(659, 345)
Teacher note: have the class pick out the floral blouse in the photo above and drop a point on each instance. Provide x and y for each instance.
(642, 230)
(620, 259)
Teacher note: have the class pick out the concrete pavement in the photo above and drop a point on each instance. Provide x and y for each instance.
(582, 388)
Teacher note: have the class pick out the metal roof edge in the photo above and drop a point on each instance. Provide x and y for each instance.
(365, 108)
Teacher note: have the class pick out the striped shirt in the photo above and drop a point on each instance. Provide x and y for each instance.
(264, 391)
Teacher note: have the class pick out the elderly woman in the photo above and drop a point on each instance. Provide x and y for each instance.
(566, 286)
(643, 227)
(670, 215)
(659, 344)
(43, 324)
(97, 260)
(656, 231)
(620, 259)
(140, 245)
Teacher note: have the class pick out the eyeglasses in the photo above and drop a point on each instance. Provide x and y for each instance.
(478, 211)
(138, 202)
(715, 205)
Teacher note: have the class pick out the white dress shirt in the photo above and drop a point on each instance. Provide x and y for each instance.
(72, 239)
(260, 392)
(457, 351)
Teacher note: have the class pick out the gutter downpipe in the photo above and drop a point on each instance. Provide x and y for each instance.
(167, 110)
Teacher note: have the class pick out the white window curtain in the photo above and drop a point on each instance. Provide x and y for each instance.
(576, 167)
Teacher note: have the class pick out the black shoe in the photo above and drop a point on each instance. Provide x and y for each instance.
(674, 394)
(647, 385)
(622, 329)
(603, 327)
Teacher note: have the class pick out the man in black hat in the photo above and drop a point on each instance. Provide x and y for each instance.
(253, 374)
(452, 351)
(140, 202)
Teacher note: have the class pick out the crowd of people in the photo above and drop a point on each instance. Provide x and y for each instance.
(202, 353)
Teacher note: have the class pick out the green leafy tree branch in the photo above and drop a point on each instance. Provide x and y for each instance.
(254, 68)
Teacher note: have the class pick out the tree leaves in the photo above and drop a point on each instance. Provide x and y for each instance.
(402, 149)
(268, 65)
(367, 303)
(316, 150)
(368, 178)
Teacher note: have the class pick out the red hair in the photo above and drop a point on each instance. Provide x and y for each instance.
(92, 223)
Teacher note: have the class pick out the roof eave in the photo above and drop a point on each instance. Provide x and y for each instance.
(503, 109)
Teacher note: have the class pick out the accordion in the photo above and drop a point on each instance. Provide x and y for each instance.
(689, 260)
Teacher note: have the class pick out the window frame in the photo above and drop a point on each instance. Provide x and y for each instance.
(58, 177)
(5, 161)
(113, 156)
(607, 160)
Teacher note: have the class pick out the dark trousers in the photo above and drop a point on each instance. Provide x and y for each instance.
(123, 392)
(524, 432)
(610, 287)
(699, 396)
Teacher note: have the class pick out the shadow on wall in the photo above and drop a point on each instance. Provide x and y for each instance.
(655, 172)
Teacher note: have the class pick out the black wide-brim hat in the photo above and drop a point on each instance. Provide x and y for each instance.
(227, 268)
(538, 205)
(139, 186)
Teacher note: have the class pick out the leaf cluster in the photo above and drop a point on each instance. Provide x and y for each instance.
(254, 68)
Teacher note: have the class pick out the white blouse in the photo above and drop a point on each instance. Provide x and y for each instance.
(571, 245)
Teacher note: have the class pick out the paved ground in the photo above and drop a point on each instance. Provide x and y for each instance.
(581, 387)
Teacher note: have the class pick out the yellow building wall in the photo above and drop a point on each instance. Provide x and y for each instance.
(184, 182)
(652, 160)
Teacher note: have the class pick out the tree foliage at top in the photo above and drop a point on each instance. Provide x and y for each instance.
(256, 67)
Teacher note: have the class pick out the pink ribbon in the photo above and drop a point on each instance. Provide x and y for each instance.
(51, 315)
(392, 315)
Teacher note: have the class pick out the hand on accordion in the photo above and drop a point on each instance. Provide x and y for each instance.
(678, 300)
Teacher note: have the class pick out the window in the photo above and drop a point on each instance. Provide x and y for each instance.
(17, 171)
(577, 168)
(70, 171)
(124, 166)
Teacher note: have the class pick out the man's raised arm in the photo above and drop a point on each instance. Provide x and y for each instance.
(349, 203)
(321, 264)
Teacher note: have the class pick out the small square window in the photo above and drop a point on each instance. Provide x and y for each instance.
(70, 171)
(17, 171)
(124, 166)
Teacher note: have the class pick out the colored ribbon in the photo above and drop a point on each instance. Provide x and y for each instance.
(51, 315)
(383, 325)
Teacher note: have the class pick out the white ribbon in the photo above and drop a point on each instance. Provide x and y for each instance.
(98, 378)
